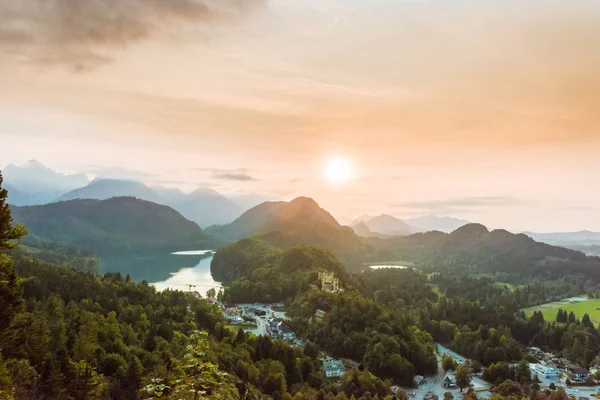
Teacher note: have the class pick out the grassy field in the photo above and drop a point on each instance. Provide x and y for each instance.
(236, 328)
(509, 286)
(589, 306)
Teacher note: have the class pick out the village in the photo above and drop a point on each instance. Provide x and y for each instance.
(550, 370)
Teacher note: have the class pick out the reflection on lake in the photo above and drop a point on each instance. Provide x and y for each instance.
(175, 271)
(198, 276)
(387, 266)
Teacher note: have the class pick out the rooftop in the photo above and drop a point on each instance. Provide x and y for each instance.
(333, 364)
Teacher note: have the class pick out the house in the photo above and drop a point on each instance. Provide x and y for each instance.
(449, 382)
(197, 295)
(534, 350)
(544, 371)
(333, 368)
(320, 315)
(577, 373)
(211, 300)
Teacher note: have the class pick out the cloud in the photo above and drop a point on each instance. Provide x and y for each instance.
(233, 176)
(83, 34)
(240, 174)
(454, 206)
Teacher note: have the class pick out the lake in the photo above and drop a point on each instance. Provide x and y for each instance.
(387, 266)
(174, 271)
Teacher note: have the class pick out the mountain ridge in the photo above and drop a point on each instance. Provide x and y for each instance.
(113, 226)
(300, 221)
(205, 206)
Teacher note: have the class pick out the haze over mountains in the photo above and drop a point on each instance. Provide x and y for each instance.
(388, 225)
(203, 206)
(113, 226)
(34, 184)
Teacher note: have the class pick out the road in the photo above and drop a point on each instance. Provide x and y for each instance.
(261, 326)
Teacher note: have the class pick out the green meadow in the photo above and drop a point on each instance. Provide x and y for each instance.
(549, 310)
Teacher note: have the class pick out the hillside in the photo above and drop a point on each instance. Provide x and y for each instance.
(113, 226)
(300, 221)
(474, 249)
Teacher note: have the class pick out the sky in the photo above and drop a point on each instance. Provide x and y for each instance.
(486, 110)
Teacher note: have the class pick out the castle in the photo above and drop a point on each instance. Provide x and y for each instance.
(329, 282)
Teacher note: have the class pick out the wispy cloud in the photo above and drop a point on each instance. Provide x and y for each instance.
(83, 34)
(233, 176)
(239, 174)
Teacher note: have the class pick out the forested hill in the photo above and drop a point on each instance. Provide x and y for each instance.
(113, 226)
(474, 249)
(300, 221)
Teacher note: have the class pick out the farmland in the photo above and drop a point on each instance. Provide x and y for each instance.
(579, 305)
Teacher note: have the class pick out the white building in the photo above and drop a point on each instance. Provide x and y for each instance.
(544, 371)
(333, 368)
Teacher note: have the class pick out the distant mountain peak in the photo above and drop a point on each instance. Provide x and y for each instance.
(34, 164)
(384, 224)
(206, 192)
(433, 222)
(39, 183)
(300, 221)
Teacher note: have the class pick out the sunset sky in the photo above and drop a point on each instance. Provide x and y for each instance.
(487, 110)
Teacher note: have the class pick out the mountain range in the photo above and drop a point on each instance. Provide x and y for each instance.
(32, 183)
(119, 225)
(388, 225)
(472, 248)
(203, 206)
(382, 225)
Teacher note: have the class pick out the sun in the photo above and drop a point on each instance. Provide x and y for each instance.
(338, 170)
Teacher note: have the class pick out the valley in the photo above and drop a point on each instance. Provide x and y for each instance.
(340, 300)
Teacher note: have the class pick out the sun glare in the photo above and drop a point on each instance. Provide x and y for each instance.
(338, 170)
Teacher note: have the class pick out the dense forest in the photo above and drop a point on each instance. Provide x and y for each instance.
(504, 256)
(380, 309)
(68, 333)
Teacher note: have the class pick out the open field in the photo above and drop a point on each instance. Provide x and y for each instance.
(236, 328)
(509, 286)
(579, 306)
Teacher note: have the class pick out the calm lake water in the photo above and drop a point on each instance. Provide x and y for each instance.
(387, 266)
(198, 275)
(175, 271)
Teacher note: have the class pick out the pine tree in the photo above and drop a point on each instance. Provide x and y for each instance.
(11, 299)
(8, 232)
